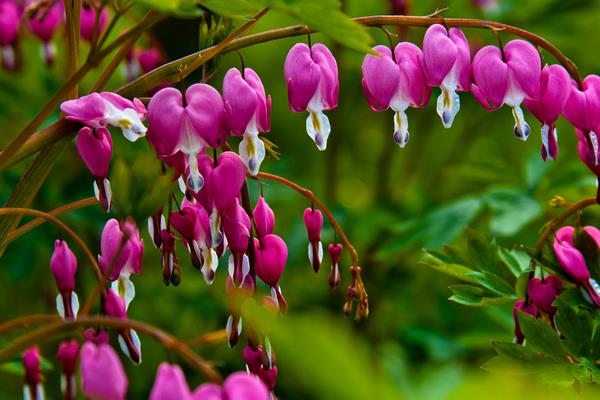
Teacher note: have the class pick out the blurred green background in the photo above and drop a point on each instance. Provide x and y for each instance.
(391, 202)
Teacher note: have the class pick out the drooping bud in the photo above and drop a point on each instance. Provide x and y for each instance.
(95, 149)
(313, 221)
(33, 388)
(88, 21)
(521, 306)
(102, 374)
(10, 17)
(237, 386)
(170, 384)
(543, 292)
(114, 306)
(68, 353)
(156, 223)
(335, 252)
(64, 267)
(171, 271)
(270, 259)
(264, 218)
(43, 22)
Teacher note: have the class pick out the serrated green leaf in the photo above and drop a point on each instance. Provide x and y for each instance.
(482, 252)
(518, 352)
(541, 337)
(517, 262)
(493, 283)
(475, 296)
(576, 327)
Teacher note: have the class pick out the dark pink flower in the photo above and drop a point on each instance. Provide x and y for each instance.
(33, 374)
(10, 19)
(237, 228)
(447, 65)
(549, 104)
(264, 218)
(64, 267)
(313, 221)
(270, 259)
(508, 77)
(88, 21)
(335, 252)
(68, 353)
(311, 75)
(543, 292)
(102, 374)
(170, 384)
(521, 306)
(95, 149)
(396, 81)
(114, 306)
(237, 386)
(44, 22)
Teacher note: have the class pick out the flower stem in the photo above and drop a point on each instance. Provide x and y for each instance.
(27, 320)
(59, 224)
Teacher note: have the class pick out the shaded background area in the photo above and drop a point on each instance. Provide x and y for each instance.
(391, 202)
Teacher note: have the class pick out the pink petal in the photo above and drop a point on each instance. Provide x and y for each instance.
(89, 110)
(165, 116)
(302, 76)
(206, 112)
(329, 75)
(439, 54)
(170, 384)
(550, 100)
(524, 66)
(412, 79)
(380, 78)
(240, 101)
(244, 386)
(490, 74)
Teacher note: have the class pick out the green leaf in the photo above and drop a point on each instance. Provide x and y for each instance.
(511, 210)
(517, 352)
(326, 16)
(233, 8)
(595, 347)
(182, 8)
(455, 270)
(516, 261)
(483, 252)
(469, 295)
(576, 327)
(493, 282)
(541, 337)
(521, 285)
(518, 367)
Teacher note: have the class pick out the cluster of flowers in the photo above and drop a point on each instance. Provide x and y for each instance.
(103, 377)
(511, 75)
(542, 291)
(43, 18)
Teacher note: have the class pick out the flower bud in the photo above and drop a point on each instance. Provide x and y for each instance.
(264, 218)
(543, 292)
(33, 373)
(64, 267)
(170, 384)
(313, 220)
(68, 352)
(102, 374)
(114, 306)
(521, 306)
(88, 22)
(335, 252)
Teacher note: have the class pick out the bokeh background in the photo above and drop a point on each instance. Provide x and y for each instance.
(391, 202)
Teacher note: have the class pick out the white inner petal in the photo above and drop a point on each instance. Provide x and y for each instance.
(252, 152)
(128, 120)
(318, 128)
(448, 105)
(522, 128)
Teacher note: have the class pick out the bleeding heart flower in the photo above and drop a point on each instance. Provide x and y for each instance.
(521, 306)
(573, 262)
(543, 292)
(170, 384)
(335, 252)
(447, 65)
(237, 386)
(64, 267)
(237, 228)
(396, 81)
(33, 388)
(187, 125)
(313, 221)
(507, 77)
(311, 75)
(114, 306)
(97, 110)
(248, 109)
(43, 22)
(88, 21)
(95, 149)
(68, 352)
(270, 258)
(549, 104)
(10, 18)
(170, 265)
(102, 374)
(264, 218)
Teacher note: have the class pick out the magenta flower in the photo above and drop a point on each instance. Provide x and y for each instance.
(447, 65)
(44, 22)
(589, 151)
(582, 109)
(189, 127)
(68, 353)
(335, 252)
(543, 292)
(549, 104)
(193, 224)
(270, 258)
(171, 271)
(88, 21)
(33, 388)
(396, 81)
(521, 306)
(313, 221)
(97, 110)
(64, 267)
(125, 263)
(237, 228)
(264, 218)
(170, 384)
(237, 386)
(102, 374)
(249, 111)
(114, 306)
(149, 59)
(10, 19)
(95, 149)
(507, 77)
(311, 75)
(573, 262)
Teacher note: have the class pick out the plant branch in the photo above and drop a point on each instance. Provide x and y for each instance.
(168, 341)
(27, 320)
(57, 211)
(59, 224)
